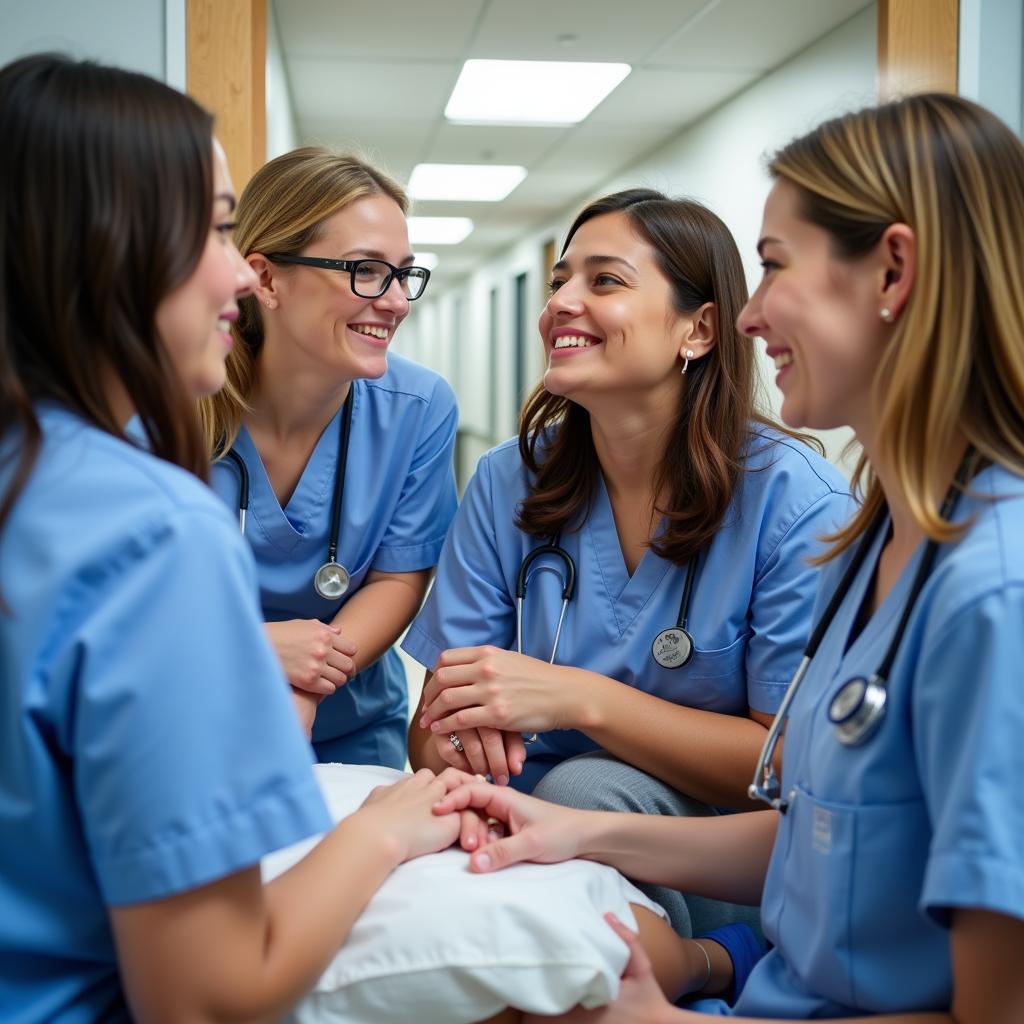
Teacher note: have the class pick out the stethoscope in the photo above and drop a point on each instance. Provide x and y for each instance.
(672, 647)
(858, 707)
(332, 579)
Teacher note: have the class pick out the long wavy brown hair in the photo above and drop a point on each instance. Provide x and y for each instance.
(106, 194)
(954, 173)
(704, 456)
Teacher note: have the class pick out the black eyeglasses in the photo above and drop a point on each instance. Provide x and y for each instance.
(370, 279)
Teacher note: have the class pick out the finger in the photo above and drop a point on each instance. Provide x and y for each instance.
(450, 755)
(341, 663)
(462, 655)
(639, 964)
(494, 753)
(515, 751)
(472, 831)
(452, 778)
(465, 720)
(511, 850)
(449, 700)
(474, 751)
(343, 645)
(442, 679)
(479, 795)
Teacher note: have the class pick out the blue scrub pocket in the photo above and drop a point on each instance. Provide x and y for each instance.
(712, 680)
(814, 923)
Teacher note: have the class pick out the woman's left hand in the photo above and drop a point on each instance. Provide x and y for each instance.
(640, 1000)
(486, 686)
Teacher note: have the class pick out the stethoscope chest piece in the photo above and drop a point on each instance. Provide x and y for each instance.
(673, 647)
(331, 581)
(857, 710)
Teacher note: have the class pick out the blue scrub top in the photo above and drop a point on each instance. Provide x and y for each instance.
(399, 502)
(749, 612)
(881, 841)
(147, 743)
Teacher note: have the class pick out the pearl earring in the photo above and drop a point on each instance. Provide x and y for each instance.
(687, 356)
(885, 313)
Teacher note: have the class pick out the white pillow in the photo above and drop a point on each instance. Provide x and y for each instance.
(440, 945)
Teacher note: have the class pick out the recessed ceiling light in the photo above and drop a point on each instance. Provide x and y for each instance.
(531, 91)
(470, 182)
(425, 259)
(438, 230)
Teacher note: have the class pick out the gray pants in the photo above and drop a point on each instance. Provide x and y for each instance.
(600, 782)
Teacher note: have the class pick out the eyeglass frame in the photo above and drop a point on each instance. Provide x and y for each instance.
(324, 263)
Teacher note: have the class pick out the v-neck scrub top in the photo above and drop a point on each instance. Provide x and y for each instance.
(881, 841)
(399, 502)
(147, 743)
(749, 612)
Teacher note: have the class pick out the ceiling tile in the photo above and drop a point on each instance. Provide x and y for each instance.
(579, 29)
(595, 150)
(383, 90)
(753, 34)
(669, 98)
(457, 143)
(410, 29)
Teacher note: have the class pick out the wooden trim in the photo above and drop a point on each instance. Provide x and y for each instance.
(226, 49)
(918, 44)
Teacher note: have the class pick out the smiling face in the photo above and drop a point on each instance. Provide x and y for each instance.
(820, 317)
(316, 312)
(194, 320)
(610, 324)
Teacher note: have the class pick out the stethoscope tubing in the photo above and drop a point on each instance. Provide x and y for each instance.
(337, 500)
(766, 785)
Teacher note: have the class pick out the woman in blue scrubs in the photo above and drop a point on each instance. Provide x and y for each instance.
(893, 871)
(346, 446)
(148, 754)
(642, 451)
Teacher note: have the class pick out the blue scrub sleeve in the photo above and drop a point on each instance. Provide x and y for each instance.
(188, 760)
(425, 508)
(968, 724)
(783, 598)
(743, 948)
(469, 603)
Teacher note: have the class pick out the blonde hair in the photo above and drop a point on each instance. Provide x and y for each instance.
(954, 173)
(282, 210)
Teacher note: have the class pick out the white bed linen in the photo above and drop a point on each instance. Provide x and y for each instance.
(439, 945)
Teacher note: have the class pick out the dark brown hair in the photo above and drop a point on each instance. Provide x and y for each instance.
(106, 195)
(704, 456)
(954, 366)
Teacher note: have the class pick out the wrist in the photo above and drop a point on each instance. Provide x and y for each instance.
(383, 844)
(583, 694)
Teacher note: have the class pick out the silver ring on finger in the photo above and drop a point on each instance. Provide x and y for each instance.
(453, 738)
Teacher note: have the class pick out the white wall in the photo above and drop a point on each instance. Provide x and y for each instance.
(992, 57)
(719, 160)
(141, 35)
(281, 133)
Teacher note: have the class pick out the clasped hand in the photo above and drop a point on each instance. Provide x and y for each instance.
(487, 696)
(486, 686)
(315, 656)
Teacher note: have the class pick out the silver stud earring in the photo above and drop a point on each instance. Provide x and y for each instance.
(687, 356)
(885, 313)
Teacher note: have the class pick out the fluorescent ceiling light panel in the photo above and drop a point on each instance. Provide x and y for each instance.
(438, 230)
(530, 91)
(425, 259)
(488, 183)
